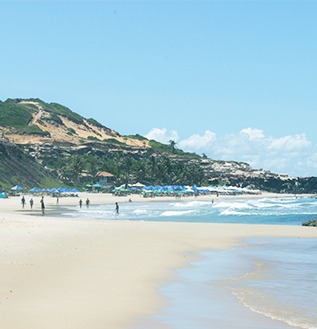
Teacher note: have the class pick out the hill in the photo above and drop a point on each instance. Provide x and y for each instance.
(60, 144)
(18, 168)
(25, 121)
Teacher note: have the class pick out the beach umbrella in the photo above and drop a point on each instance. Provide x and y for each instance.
(149, 187)
(16, 188)
(53, 190)
(35, 190)
(138, 185)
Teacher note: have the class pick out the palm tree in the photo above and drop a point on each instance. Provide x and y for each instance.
(92, 165)
(172, 145)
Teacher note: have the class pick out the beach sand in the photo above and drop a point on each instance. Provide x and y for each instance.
(75, 273)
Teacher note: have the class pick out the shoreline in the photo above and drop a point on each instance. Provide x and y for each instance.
(53, 208)
(79, 273)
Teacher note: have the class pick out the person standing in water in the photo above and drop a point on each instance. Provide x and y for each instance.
(117, 208)
(31, 203)
(42, 205)
(23, 201)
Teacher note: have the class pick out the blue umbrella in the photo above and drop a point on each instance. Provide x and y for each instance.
(35, 189)
(16, 188)
(53, 190)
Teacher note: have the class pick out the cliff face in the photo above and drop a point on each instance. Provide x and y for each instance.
(36, 135)
(17, 168)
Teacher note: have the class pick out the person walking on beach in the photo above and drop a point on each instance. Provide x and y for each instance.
(80, 203)
(23, 201)
(117, 208)
(31, 203)
(87, 203)
(42, 205)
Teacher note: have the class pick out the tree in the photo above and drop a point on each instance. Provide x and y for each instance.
(172, 145)
(73, 168)
(92, 165)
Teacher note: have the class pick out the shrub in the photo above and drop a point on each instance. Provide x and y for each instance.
(11, 115)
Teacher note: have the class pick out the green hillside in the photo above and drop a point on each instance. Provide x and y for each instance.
(17, 168)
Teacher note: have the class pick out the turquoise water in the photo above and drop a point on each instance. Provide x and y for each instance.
(279, 211)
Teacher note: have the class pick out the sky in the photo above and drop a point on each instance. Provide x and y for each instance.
(235, 80)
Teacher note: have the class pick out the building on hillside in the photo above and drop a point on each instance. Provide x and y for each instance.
(104, 178)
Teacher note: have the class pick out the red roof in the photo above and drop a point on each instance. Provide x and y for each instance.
(104, 174)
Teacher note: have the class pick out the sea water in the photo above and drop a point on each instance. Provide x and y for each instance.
(281, 282)
(275, 211)
(258, 284)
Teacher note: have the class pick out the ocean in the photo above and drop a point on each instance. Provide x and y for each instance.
(262, 283)
(275, 211)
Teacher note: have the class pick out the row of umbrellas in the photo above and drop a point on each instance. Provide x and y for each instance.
(181, 189)
(49, 190)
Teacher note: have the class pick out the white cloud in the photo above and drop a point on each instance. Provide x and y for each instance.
(253, 134)
(293, 154)
(162, 135)
(290, 143)
(287, 154)
(198, 142)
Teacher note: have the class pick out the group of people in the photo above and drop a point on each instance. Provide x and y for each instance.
(88, 203)
(23, 202)
(81, 203)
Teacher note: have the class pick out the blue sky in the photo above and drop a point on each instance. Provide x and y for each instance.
(235, 80)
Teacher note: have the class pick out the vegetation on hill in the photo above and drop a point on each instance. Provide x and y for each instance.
(114, 141)
(136, 136)
(17, 168)
(18, 117)
(64, 111)
(94, 122)
(13, 115)
(152, 171)
(171, 149)
(17, 114)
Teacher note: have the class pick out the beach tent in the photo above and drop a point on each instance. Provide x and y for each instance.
(16, 188)
(3, 195)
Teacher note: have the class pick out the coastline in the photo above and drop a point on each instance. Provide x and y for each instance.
(75, 273)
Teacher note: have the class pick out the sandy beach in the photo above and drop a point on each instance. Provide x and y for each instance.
(73, 273)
